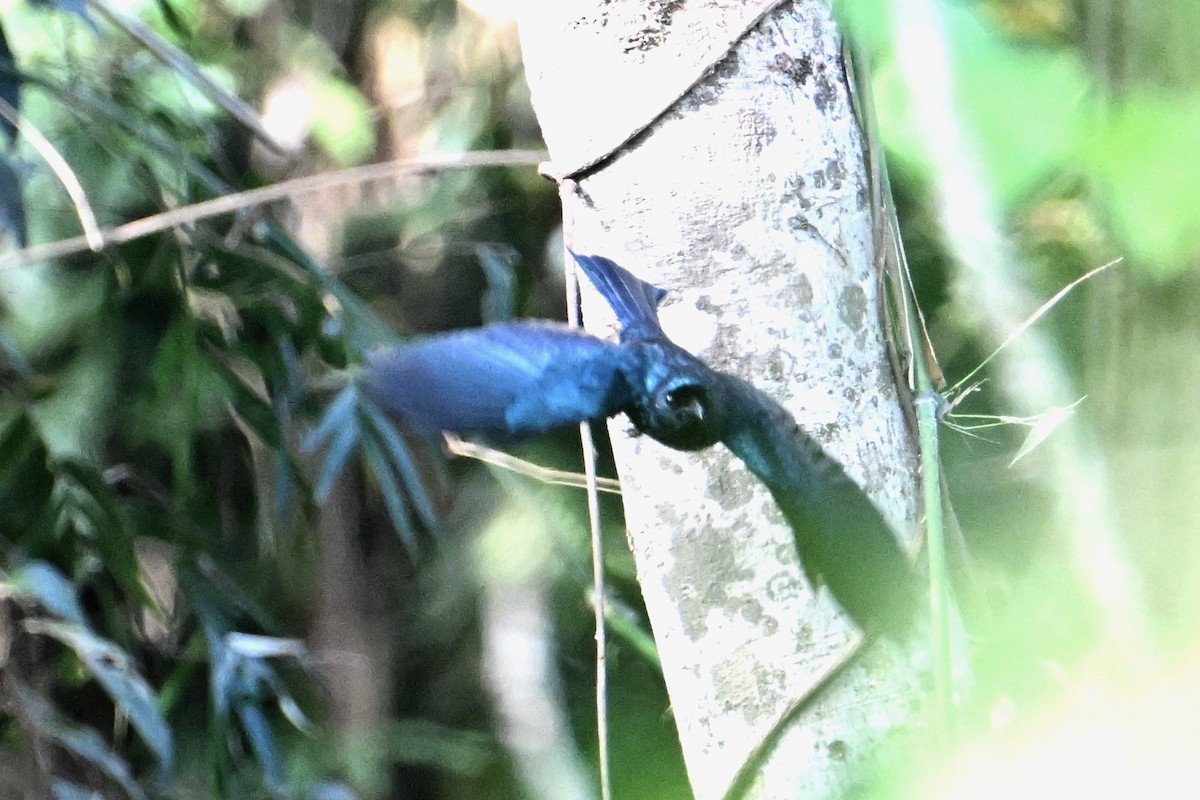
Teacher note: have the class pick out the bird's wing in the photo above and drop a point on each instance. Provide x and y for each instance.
(512, 379)
(843, 540)
(634, 301)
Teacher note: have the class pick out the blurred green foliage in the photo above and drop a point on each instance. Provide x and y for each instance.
(1037, 95)
(1078, 116)
(161, 547)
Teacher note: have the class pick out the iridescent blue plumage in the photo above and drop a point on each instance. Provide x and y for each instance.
(634, 301)
(527, 377)
(512, 379)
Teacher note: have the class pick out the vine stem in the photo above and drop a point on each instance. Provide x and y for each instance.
(598, 587)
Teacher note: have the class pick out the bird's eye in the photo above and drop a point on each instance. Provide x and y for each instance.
(687, 400)
(685, 419)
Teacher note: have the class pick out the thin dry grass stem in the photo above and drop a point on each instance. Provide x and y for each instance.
(93, 238)
(599, 587)
(1033, 374)
(1032, 319)
(498, 458)
(232, 203)
(836, 666)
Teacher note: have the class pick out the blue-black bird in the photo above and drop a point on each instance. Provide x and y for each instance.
(521, 378)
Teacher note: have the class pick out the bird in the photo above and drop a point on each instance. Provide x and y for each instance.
(522, 378)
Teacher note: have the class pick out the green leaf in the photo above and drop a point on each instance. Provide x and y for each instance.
(45, 585)
(76, 7)
(10, 86)
(116, 674)
(389, 489)
(397, 452)
(343, 125)
(84, 743)
(250, 406)
(339, 426)
(359, 329)
(1025, 108)
(174, 20)
(338, 414)
(12, 203)
(26, 482)
(499, 302)
(111, 539)
(262, 742)
(1144, 159)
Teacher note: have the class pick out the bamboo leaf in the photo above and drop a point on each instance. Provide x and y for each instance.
(389, 489)
(83, 742)
(399, 456)
(114, 671)
(45, 585)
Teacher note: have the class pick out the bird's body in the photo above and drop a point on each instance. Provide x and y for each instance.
(524, 378)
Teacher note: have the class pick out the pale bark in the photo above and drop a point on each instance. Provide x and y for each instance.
(747, 199)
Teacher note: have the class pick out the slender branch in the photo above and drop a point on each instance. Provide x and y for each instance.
(498, 458)
(599, 590)
(837, 666)
(1030, 320)
(238, 201)
(92, 236)
(1032, 372)
(911, 338)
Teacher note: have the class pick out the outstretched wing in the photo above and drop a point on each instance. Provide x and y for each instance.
(634, 301)
(843, 541)
(512, 379)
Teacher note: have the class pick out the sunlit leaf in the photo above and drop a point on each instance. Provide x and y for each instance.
(248, 645)
(340, 412)
(262, 742)
(223, 676)
(1026, 108)
(343, 124)
(330, 790)
(1041, 427)
(252, 648)
(338, 426)
(397, 453)
(294, 714)
(65, 790)
(242, 681)
(45, 585)
(76, 7)
(115, 672)
(1144, 158)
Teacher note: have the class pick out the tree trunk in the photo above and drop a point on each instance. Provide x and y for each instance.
(710, 147)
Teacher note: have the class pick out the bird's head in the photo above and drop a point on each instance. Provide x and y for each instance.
(682, 403)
